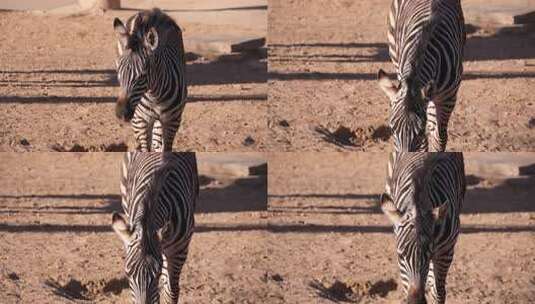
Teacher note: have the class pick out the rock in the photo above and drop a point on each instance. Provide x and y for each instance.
(277, 278)
(13, 276)
(248, 141)
(284, 123)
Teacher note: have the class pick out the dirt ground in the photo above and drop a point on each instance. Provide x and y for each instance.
(331, 241)
(56, 244)
(322, 80)
(58, 88)
(322, 239)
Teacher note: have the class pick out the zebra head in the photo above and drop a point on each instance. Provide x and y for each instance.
(136, 42)
(413, 230)
(408, 113)
(143, 263)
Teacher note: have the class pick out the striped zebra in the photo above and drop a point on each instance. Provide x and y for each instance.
(423, 197)
(158, 191)
(426, 41)
(151, 73)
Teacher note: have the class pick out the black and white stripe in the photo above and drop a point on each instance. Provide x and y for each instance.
(426, 42)
(423, 198)
(151, 73)
(158, 191)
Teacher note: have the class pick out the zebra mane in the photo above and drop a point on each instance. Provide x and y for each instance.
(154, 18)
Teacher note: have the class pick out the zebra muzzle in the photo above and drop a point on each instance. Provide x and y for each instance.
(123, 108)
(416, 294)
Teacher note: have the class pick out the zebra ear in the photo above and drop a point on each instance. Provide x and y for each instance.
(386, 84)
(151, 39)
(440, 212)
(389, 209)
(121, 227)
(121, 33)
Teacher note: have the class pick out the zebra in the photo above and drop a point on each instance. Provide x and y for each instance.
(152, 78)
(423, 197)
(426, 42)
(159, 192)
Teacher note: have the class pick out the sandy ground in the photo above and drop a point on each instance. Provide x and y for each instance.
(56, 245)
(331, 241)
(322, 71)
(322, 240)
(58, 89)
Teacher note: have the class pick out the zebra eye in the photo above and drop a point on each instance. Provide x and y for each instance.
(152, 39)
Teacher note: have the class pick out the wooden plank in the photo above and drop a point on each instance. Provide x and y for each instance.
(233, 164)
(110, 4)
(249, 45)
(500, 164)
(524, 18)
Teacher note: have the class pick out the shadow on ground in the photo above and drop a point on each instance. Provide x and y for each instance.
(248, 68)
(242, 195)
(510, 195)
(342, 292)
(78, 290)
(479, 47)
(506, 196)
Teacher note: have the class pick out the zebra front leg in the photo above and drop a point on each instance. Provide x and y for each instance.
(157, 133)
(439, 268)
(142, 131)
(169, 131)
(172, 267)
(438, 117)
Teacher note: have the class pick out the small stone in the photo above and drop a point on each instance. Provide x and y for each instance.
(248, 141)
(277, 278)
(13, 276)
(531, 123)
(24, 142)
(284, 123)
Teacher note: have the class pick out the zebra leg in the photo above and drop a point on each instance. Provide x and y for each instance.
(168, 134)
(142, 126)
(438, 116)
(172, 267)
(438, 272)
(156, 144)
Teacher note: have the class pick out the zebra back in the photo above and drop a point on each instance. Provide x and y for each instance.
(169, 180)
(413, 24)
(433, 177)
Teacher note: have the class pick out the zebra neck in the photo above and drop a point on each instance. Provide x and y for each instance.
(166, 75)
